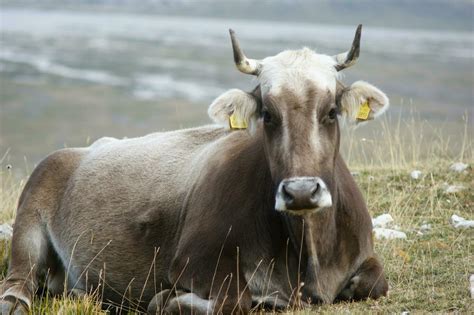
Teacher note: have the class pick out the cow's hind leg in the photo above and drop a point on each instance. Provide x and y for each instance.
(28, 260)
(32, 257)
(32, 252)
(368, 282)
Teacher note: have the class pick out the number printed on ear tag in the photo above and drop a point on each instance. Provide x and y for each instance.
(364, 111)
(237, 122)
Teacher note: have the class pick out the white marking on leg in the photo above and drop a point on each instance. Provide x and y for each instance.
(192, 301)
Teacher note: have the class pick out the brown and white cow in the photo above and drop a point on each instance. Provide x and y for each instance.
(211, 220)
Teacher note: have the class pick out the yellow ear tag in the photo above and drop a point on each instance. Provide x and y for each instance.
(237, 122)
(364, 111)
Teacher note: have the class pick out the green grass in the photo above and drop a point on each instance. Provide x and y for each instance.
(427, 272)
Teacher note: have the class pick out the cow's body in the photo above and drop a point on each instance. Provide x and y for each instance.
(191, 215)
(181, 192)
(137, 210)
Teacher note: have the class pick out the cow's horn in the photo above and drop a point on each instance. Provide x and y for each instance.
(244, 64)
(349, 58)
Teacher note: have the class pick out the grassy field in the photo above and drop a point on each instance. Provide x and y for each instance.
(428, 271)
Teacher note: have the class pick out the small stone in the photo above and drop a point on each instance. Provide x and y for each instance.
(416, 174)
(382, 220)
(6, 231)
(458, 167)
(389, 234)
(461, 223)
(371, 178)
(452, 189)
(425, 227)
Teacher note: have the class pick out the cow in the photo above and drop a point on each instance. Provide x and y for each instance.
(257, 210)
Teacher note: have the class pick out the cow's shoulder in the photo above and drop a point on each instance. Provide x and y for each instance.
(231, 188)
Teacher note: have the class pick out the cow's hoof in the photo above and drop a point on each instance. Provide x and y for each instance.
(10, 305)
(156, 303)
(159, 301)
(348, 292)
(310, 297)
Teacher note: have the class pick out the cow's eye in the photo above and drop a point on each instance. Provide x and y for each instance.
(267, 117)
(332, 114)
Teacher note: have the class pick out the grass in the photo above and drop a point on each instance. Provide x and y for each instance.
(427, 272)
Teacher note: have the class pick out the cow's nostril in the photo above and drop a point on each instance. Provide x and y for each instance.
(315, 190)
(286, 194)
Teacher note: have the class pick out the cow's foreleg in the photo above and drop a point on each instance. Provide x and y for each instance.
(179, 302)
(368, 282)
(205, 290)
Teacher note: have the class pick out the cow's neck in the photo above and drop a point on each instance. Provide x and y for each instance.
(316, 236)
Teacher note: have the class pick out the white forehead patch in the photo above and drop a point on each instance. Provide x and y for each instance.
(291, 68)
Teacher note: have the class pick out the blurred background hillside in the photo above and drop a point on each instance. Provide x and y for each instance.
(73, 71)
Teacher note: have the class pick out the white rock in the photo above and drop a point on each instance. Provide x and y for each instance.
(451, 189)
(456, 219)
(458, 167)
(382, 220)
(471, 280)
(416, 174)
(6, 231)
(461, 223)
(464, 225)
(389, 234)
(425, 227)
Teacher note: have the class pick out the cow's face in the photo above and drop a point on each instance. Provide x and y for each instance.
(297, 106)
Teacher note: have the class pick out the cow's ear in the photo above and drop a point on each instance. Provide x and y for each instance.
(234, 109)
(362, 102)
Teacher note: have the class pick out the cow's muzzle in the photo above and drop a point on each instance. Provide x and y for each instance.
(300, 195)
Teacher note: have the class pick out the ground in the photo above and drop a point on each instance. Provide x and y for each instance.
(427, 272)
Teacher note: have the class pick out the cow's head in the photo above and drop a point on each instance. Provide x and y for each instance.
(297, 106)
